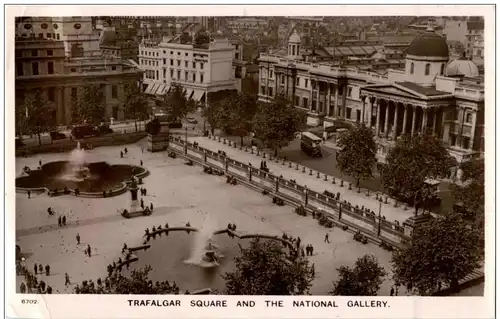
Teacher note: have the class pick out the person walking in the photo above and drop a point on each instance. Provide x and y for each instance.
(78, 238)
(67, 281)
(141, 162)
(40, 269)
(47, 270)
(89, 251)
(36, 269)
(327, 240)
(59, 221)
(392, 291)
(29, 194)
(64, 220)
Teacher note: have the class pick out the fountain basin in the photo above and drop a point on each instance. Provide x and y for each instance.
(95, 178)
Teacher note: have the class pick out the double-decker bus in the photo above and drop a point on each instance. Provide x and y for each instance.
(310, 144)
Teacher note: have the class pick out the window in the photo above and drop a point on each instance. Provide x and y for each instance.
(178, 53)
(262, 90)
(113, 68)
(479, 52)
(114, 91)
(164, 73)
(171, 52)
(157, 75)
(237, 56)
(297, 81)
(58, 38)
(50, 67)
(194, 65)
(201, 65)
(51, 94)
(74, 93)
(348, 112)
(19, 67)
(201, 77)
(194, 76)
(349, 91)
(271, 74)
(271, 93)
(305, 101)
(178, 62)
(297, 100)
(178, 75)
(49, 35)
(171, 73)
(427, 69)
(468, 118)
(282, 79)
(412, 68)
(186, 64)
(171, 62)
(186, 75)
(50, 53)
(186, 54)
(442, 69)
(40, 35)
(306, 83)
(73, 69)
(358, 116)
(34, 52)
(34, 66)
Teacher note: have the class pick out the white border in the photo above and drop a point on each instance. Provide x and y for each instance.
(98, 306)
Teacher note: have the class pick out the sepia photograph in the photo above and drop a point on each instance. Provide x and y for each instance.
(250, 155)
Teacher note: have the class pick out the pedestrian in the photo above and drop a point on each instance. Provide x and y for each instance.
(29, 194)
(49, 210)
(303, 252)
(124, 248)
(145, 191)
(36, 269)
(142, 203)
(142, 149)
(49, 290)
(78, 238)
(40, 163)
(392, 291)
(66, 282)
(59, 221)
(89, 251)
(42, 285)
(141, 162)
(327, 240)
(64, 220)
(40, 269)
(28, 284)
(126, 150)
(151, 206)
(22, 288)
(47, 270)
(312, 250)
(121, 154)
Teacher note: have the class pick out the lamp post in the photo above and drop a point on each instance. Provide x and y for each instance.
(379, 218)
(186, 140)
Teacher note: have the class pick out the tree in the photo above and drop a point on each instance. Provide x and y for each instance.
(364, 279)
(237, 111)
(136, 105)
(177, 105)
(89, 106)
(264, 268)
(39, 116)
(201, 39)
(469, 197)
(442, 251)
(138, 283)
(21, 120)
(411, 162)
(215, 116)
(357, 155)
(277, 123)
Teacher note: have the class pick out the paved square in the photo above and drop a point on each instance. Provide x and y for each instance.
(179, 193)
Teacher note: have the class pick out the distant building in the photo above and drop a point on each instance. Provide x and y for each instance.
(247, 23)
(421, 97)
(468, 31)
(59, 56)
(198, 69)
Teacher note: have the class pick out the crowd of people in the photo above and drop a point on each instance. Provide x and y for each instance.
(31, 283)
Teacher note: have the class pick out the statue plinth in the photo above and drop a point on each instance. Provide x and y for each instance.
(134, 200)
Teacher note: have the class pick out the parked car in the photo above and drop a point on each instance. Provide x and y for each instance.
(105, 129)
(191, 120)
(55, 135)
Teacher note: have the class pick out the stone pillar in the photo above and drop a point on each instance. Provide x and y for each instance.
(377, 122)
(59, 101)
(328, 100)
(473, 130)
(67, 104)
(395, 125)
(424, 121)
(336, 102)
(344, 95)
(434, 121)
(371, 112)
(413, 120)
(443, 123)
(405, 118)
(317, 98)
(363, 115)
(386, 121)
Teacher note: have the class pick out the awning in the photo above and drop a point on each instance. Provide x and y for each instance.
(164, 89)
(148, 89)
(154, 91)
(189, 92)
(197, 95)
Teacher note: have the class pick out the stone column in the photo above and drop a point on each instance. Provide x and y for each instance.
(405, 118)
(363, 115)
(317, 98)
(413, 120)
(395, 125)
(386, 120)
(371, 111)
(310, 96)
(377, 122)
(424, 121)
(335, 110)
(59, 101)
(473, 130)
(328, 100)
(434, 121)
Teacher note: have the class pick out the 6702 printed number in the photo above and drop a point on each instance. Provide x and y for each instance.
(29, 301)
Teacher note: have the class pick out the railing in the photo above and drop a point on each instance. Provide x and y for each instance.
(339, 211)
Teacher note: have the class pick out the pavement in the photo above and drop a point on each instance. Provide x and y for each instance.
(311, 181)
(180, 194)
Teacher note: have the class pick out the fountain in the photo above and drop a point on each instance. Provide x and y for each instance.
(204, 252)
(77, 171)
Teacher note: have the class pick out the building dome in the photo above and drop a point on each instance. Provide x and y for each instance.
(108, 36)
(462, 67)
(429, 44)
(294, 38)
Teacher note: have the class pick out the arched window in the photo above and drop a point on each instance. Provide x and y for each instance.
(412, 68)
(442, 69)
(427, 68)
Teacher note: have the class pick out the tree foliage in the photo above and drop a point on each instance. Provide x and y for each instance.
(89, 106)
(177, 104)
(276, 124)
(264, 268)
(38, 116)
(364, 279)
(136, 105)
(442, 251)
(412, 161)
(138, 283)
(357, 155)
(201, 39)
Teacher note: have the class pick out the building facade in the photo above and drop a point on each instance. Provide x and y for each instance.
(200, 70)
(419, 98)
(61, 66)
